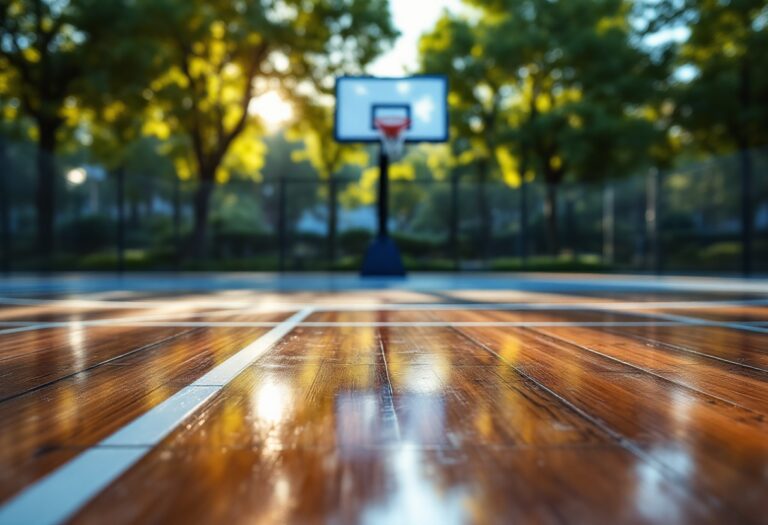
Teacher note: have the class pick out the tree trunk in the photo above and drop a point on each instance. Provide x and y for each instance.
(45, 191)
(551, 209)
(5, 211)
(202, 209)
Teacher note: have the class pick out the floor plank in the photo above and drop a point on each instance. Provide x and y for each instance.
(710, 445)
(33, 358)
(735, 346)
(474, 316)
(401, 485)
(731, 314)
(46, 427)
(741, 386)
(311, 442)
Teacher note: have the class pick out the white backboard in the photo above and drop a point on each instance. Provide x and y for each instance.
(361, 100)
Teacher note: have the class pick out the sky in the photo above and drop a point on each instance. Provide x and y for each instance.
(411, 18)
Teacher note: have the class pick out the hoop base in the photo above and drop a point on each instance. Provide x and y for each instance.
(382, 259)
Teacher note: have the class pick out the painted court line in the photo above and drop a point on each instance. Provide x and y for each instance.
(630, 308)
(618, 305)
(58, 495)
(694, 321)
(491, 324)
(145, 324)
(117, 304)
(752, 326)
(282, 307)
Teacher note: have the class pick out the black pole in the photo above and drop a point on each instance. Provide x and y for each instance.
(745, 161)
(120, 174)
(332, 204)
(281, 222)
(383, 257)
(652, 219)
(570, 226)
(523, 239)
(5, 212)
(383, 195)
(609, 224)
(454, 234)
(177, 220)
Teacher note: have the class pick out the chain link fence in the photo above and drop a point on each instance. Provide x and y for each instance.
(682, 220)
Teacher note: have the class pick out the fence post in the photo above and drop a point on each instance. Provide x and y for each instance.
(570, 224)
(5, 212)
(747, 215)
(177, 219)
(523, 237)
(120, 175)
(332, 218)
(281, 222)
(454, 222)
(653, 189)
(608, 224)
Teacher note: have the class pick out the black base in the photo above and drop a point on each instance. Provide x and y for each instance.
(382, 259)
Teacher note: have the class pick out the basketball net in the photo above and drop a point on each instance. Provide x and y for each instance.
(392, 134)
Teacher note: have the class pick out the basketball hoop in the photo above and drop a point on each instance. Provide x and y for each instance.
(392, 135)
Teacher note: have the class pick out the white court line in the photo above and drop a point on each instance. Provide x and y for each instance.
(147, 320)
(629, 308)
(322, 307)
(541, 306)
(57, 496)
(139, 324)
(753, 326)
(693, 321)
(490, 324)
(117, 304)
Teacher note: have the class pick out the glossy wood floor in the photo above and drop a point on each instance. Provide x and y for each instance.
(399, 407)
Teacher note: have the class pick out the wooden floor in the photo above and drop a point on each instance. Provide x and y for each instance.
(384, 407)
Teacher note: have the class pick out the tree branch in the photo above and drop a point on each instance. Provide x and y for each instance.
(259, 56)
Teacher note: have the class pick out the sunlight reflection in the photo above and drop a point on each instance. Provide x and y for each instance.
(650, 495)
(424, 420)
(357, 421)
(417, 498)
(681, 403)
(76, 337)
(272, 401)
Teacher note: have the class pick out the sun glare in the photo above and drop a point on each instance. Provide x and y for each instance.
(273, 110)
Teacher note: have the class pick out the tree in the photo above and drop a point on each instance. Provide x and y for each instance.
(220, 54)
(725, 105)
(42, 44)
(458, 47)
(314, 128)
(560, 110)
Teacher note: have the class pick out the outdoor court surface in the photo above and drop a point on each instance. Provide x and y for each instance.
(437, 399)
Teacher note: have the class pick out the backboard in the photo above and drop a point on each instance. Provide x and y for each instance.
(422, 99)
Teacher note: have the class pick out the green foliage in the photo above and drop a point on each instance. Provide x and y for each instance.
(559, 85)
(725, 105)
